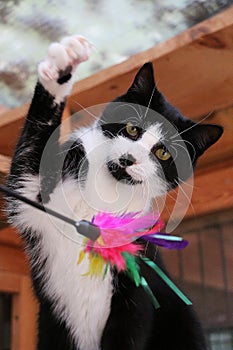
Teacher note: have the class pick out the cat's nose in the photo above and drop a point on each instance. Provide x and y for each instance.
(127, 160)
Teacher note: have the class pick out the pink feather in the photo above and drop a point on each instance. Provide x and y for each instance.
(121, 230)
(117, 234)
(114, 255)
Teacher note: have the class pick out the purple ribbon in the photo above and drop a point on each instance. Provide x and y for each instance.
(167, 241)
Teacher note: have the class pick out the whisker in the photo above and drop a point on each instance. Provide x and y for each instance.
(152, 94)
(168, 210)
(183, 146)
(173, 198)
(176, 152)
(146, 247)
(86, 110)
(186, 141)
(185, 194)
(185, 149)
(192, 126)
(68, 149)
(186, 183)
(131, 106)
(140, 108)
(156, 253)
(140, 116)
(110, 133)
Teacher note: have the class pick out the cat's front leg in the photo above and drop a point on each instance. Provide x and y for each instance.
(56, 72)
(55, 79)
(131, 317)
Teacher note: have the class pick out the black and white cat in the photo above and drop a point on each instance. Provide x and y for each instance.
(119, 164)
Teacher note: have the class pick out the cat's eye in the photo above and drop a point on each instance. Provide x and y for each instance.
(131, 130)
(162, 154)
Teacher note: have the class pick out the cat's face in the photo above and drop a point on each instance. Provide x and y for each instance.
(132, 155)
(151, 142)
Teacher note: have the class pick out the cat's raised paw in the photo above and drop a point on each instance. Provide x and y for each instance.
(77, 48)
(61, 63)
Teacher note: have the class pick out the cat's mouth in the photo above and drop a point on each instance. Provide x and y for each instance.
(120, 174)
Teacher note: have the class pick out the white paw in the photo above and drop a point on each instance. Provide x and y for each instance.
(56, 71)
(77, 48)
(47, 71)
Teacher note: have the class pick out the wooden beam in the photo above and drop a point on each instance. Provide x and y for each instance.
(5, 162)
(11, 124)
(24, 317)
(223, 149)
(9, 282)
(193, 69)
(13, 260)
(3, 109)
(212, 192)
(215, 189)
(10, 237)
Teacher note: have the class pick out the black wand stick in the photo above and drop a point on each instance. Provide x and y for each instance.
(84, 227)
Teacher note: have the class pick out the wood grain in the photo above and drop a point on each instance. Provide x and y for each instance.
(13, 260)
(4, 164)
(194, 70)
(24, 317)
(10, 237)
(212, 192)
(9, 282)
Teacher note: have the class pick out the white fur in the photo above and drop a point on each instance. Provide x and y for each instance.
(71, 51)
(84, 311)
(102, 191)
(83, 302)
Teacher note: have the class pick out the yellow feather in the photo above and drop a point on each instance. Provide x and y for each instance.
(81, 257)
(96, 265)
(100, 241)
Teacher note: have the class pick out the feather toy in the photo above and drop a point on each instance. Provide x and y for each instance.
(118, 248)
(111, 242)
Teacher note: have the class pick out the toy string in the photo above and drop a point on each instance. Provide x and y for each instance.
(167, 280)
(84, 227)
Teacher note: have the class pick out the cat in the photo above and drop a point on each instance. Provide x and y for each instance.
(120, 163)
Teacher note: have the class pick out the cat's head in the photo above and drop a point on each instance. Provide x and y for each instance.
(151, 140)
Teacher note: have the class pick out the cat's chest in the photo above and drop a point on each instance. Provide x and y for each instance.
(82, 301)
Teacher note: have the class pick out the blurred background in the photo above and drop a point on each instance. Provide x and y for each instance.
(117, 30)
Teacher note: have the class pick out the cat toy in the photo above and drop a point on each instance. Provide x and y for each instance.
(83, 227)
(111, 242)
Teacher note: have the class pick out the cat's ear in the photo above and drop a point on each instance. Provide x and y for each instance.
(205, 135)
(144, 80)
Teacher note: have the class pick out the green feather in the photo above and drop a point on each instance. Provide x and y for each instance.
(132, 268)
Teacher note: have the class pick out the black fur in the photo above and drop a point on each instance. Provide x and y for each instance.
(143, 92)
(133, 323)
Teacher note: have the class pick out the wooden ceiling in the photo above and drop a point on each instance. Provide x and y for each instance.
(194, 70)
